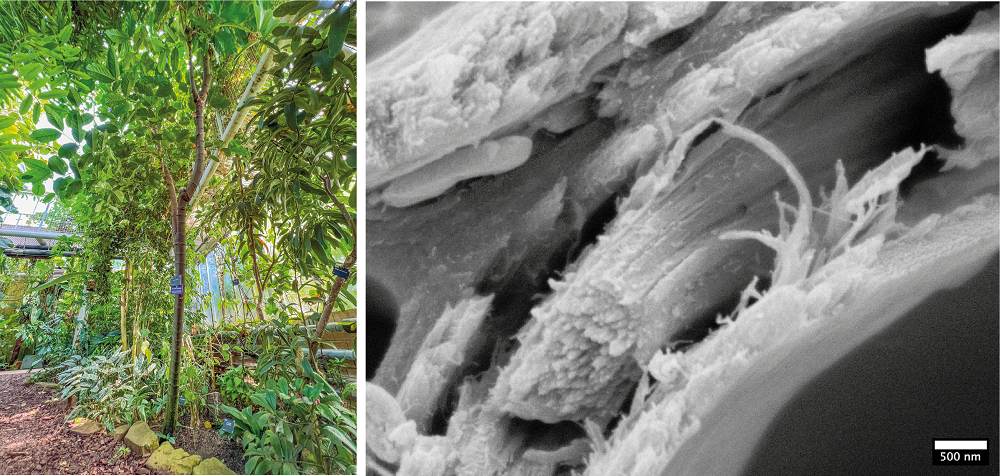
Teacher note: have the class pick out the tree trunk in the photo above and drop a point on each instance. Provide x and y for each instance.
(125, 289)
(179, 204)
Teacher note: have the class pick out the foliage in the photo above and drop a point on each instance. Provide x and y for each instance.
(301, 423)
(112, 389)
(234, 387)
(99, 112)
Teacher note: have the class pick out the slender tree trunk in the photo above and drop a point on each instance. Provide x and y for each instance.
(179, 205)
(338, 283)
(125, 289)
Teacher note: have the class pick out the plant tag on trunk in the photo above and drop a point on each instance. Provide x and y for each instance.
(227, 425)
(176, 285)
(182, 401)
(341, 272)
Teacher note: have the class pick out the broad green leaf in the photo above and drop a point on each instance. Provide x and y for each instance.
(290, 8)
(58, 165)
(53, 115)
(8, 137)
(68, 150)
(46, 135)
(352, 158)
(35, 164)
(220, 102)
(340, 23)
(238, 149)
(38, 188)
(59, 185)
(164, 90)
(73, 188)
(235, 12)
(100, 72)
(54, 93)
(225, 42)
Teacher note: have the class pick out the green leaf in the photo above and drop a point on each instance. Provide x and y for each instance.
(61, 279)
(59, 185)
(38, 188)
(220, 102)
(113, 63)
(225, 42)
(68, 150)
(35, 166)
(53, 115)
(289, 8)
(29, 71)
(46, 135)
(164, 90)
(54, 93)
(8, 137)
(352, 158)
(65, 33)
(13, 148)
(74, 188)
(290, 117)
(338, 28)
(58, 165)
(100, 72)
(25, 104)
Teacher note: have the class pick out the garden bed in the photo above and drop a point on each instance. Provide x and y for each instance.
(34, 438)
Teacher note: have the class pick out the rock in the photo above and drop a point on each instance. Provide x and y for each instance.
(172, 461)
(141, 440)
(212, 466)
(119, 433)
(83, 426)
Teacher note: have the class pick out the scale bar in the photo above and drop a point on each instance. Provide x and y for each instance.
(960, 445)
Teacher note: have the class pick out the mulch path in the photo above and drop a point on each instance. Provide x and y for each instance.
(34, 438)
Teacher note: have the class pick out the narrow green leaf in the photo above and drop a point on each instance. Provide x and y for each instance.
(65, 33)
(13, 148)
(25, 104)
(54, 93)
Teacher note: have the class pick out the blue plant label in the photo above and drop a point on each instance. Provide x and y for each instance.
(182, 401)
(236, 281)
(176, 285)
(227, 425)
(341, 272)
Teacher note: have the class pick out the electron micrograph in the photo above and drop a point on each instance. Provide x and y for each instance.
(681, 238)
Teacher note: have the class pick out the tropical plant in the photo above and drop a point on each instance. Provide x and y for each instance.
(112, 389)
